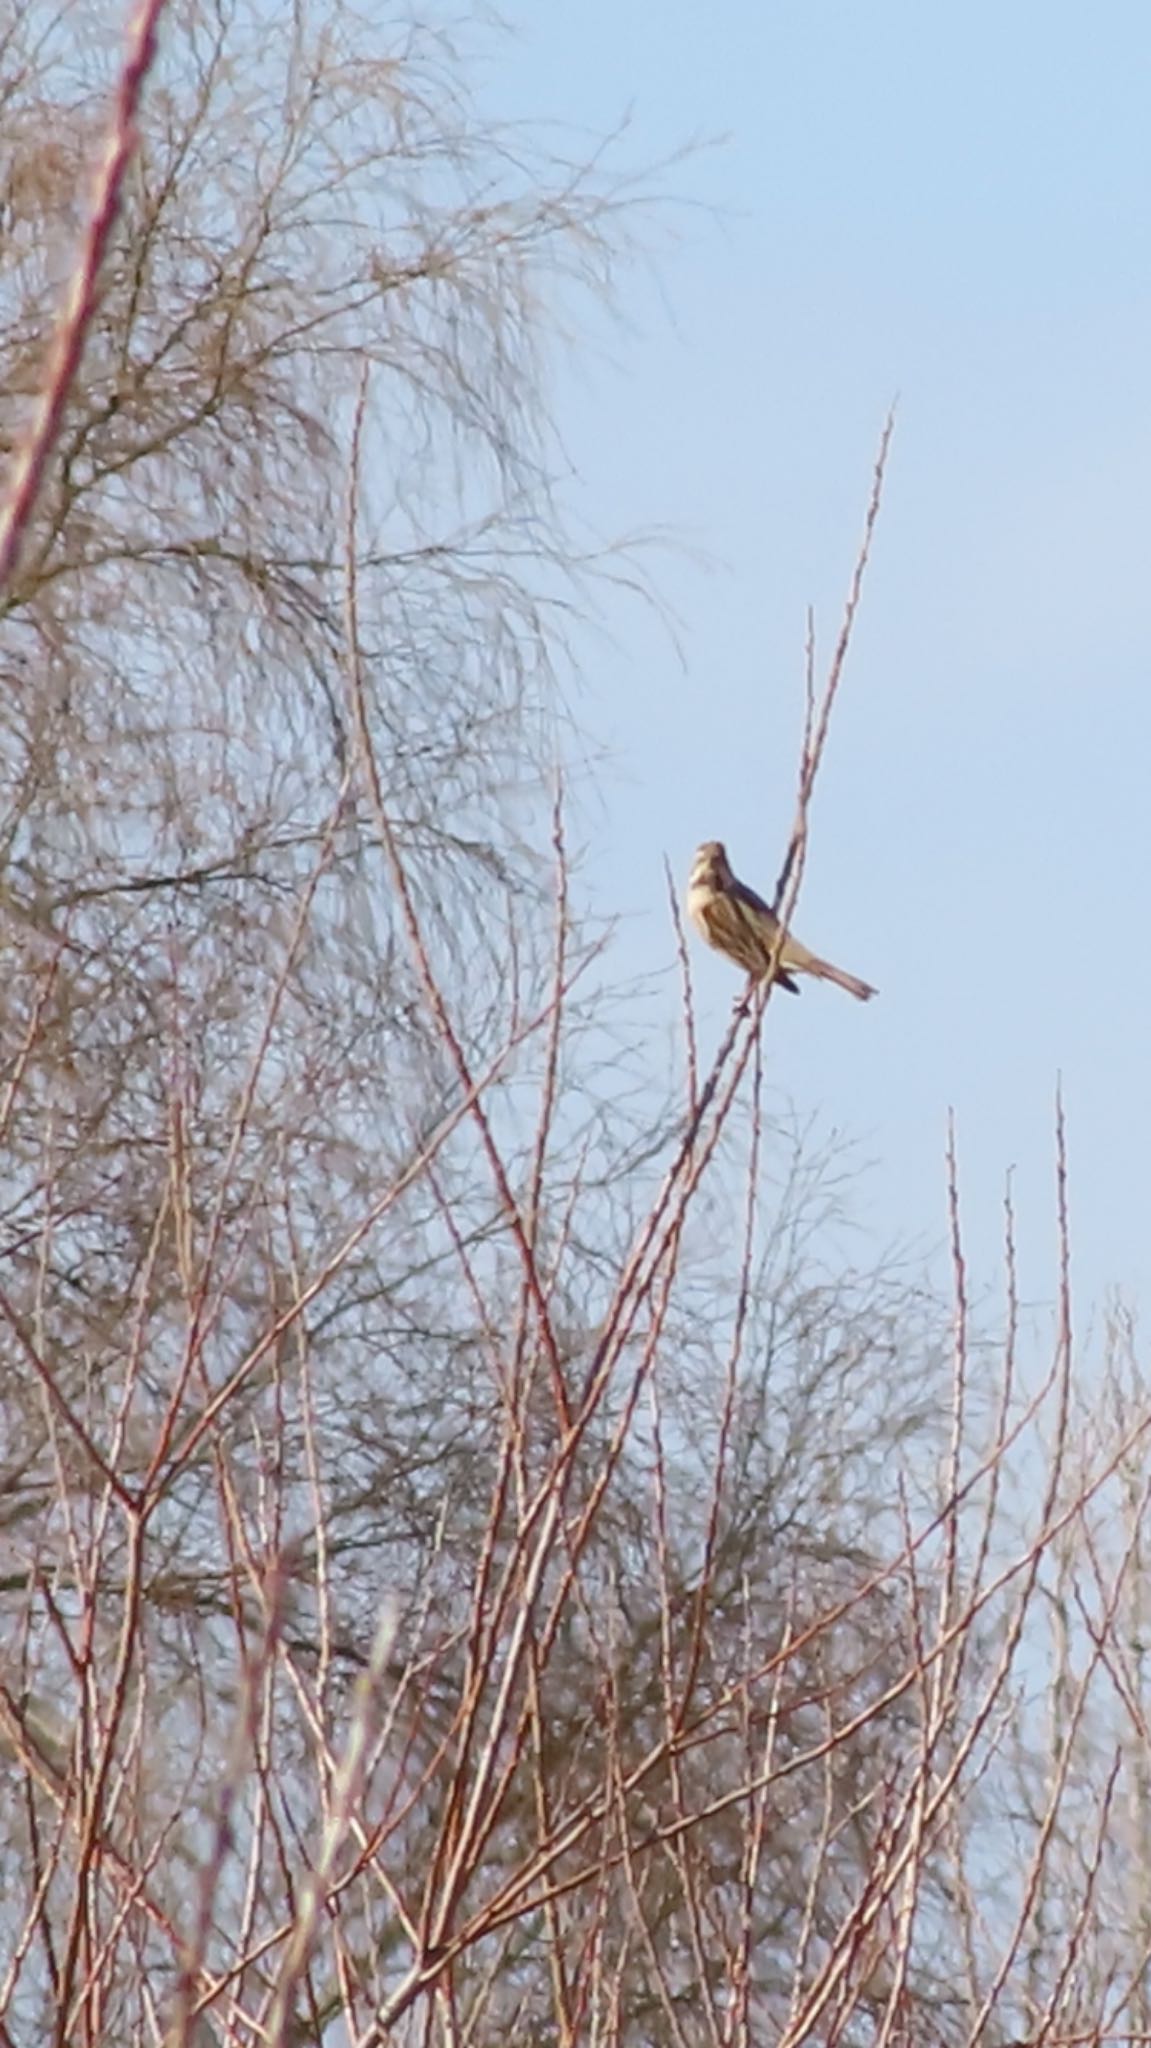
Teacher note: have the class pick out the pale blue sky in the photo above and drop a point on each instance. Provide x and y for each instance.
(952, 203)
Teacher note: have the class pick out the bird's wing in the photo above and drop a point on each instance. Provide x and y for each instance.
(753, 901)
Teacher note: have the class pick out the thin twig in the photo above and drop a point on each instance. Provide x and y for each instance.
(76, 317)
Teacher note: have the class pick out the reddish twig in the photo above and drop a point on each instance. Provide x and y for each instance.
(76, 317)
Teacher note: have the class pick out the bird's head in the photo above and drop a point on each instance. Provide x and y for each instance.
(710, 866)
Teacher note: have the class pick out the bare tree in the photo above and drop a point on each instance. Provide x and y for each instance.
(468, 1574)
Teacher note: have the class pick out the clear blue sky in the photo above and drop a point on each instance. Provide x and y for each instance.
(952, 204)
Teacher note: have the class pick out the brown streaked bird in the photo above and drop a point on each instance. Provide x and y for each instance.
(733, 919)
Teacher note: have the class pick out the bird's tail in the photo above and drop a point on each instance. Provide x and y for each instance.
(862, 990)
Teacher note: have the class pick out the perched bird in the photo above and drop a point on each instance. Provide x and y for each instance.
(733, 919)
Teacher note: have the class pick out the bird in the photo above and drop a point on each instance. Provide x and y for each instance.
(733, 919)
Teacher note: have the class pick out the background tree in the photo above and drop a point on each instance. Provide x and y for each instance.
(470, 1571)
